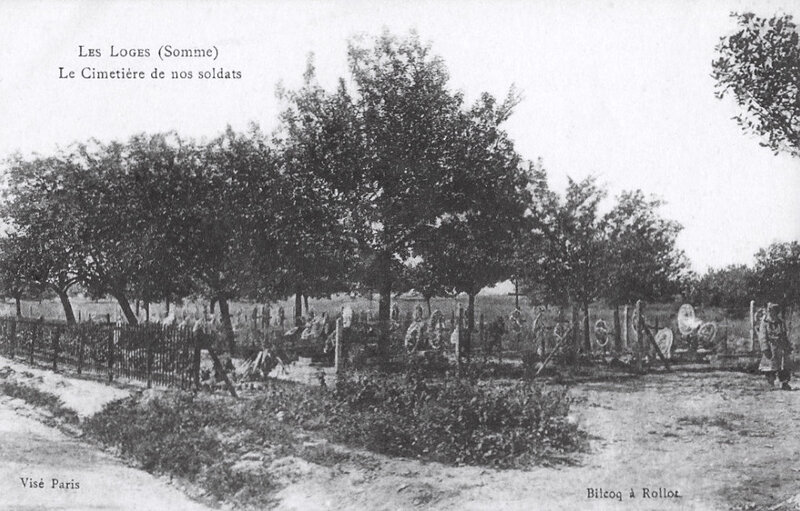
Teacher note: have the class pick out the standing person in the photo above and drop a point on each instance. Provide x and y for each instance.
(776, 349)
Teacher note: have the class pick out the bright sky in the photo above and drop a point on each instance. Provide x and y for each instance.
(618, 89)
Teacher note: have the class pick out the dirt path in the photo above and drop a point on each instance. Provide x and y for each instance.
(29, 449)
(722, 441)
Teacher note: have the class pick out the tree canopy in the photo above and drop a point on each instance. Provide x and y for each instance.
(759, 66)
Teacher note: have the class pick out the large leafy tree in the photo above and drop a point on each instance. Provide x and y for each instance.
(238, 197)
(386, 145)
(134, 217)
(157, 180)
(642, 260)
(322, 251)
(44, 211)
(474, 245)
(760, 67)
(566, 246)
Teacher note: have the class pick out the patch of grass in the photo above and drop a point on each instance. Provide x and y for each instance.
(40, 399)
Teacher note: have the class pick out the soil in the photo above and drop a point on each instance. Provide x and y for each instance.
(85, 477)
(719, 440)
(695, 440)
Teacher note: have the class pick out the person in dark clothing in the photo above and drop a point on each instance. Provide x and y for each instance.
(776, 350)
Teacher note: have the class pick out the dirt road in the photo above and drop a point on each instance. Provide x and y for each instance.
(85, 478)
(704, 441)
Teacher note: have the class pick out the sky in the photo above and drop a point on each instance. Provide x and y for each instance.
(621, 90)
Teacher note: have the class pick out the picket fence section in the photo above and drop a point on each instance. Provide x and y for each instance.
(150, 353)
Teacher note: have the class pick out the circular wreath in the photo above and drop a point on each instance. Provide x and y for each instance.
(601, 333)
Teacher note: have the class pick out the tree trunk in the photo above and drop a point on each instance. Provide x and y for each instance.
(587, 338)
(227, 326)
(125, 305)
(69, 315)
(428, 304)
(617, 330)
(19, 306)
(298, 306)
(305, 301)
(576, 336)
(137, 308)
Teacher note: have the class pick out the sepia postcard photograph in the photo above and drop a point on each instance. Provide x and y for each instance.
(457, 255)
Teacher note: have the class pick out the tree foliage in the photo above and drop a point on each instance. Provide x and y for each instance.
(777, 274)
(759, 66)
(642, 260)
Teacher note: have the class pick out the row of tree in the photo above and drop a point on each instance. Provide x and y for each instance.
(774, 277)
(389, 182)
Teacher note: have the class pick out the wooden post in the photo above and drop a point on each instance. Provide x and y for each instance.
(337, 355)
(111, 355)
(457, 329)
(639, 334)
(753, 325)
(13, 336)
(625, 339)
(196, 359)
(33, 341)
(149, 363)
(461, 332)
(56, 335)
(80, 352)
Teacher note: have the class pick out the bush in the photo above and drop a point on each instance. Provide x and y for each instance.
(455, 421)
(164, 434)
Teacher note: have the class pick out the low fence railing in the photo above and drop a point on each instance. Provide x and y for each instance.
(150, 353)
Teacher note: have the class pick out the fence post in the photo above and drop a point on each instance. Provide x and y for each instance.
(337, 359)
(80, 350)
(56, 335)
(13, 337)
(110, 343)
(196, 361)
(639, 335)
(33, 341)
(753, 325)
(625, 339)
(149, 362)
